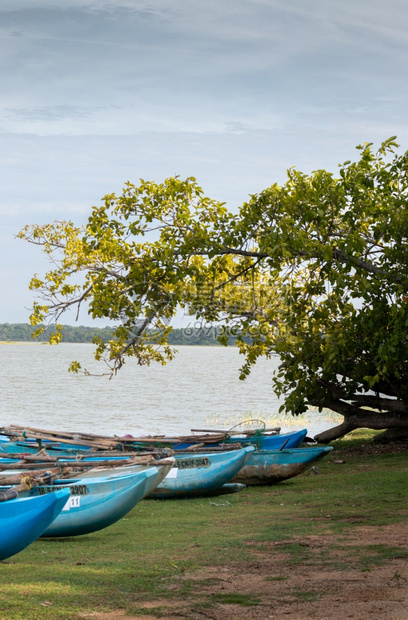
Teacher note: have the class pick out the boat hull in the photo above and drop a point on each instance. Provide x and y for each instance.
(24, 519)
(96, 503)
(266, 467)
(200, 474)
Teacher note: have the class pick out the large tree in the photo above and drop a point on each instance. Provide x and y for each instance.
(314, 271)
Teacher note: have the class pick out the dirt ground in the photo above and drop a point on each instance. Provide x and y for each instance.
(306, 591)
(325, 586)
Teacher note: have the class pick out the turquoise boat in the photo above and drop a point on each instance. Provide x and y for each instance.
(24, 519)
(265, 467)
(95, 503)
(200, 474)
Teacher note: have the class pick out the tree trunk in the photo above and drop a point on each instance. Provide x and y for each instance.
(334, 433)
(389, 422)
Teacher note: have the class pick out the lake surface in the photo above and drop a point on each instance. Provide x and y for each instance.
(200, 388)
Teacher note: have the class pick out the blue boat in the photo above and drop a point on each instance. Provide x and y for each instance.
(265, 467)
(24, 519)
(261, 441)
(199, 474)
(95, 503)
(292, 439)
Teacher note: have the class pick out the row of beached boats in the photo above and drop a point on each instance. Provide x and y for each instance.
(67, 484)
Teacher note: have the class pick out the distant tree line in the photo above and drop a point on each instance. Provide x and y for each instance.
(22, 332)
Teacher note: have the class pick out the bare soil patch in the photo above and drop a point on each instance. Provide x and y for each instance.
(324, 585)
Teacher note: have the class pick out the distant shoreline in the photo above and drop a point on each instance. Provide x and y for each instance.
(18, 333)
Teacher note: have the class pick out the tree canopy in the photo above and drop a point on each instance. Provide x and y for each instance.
(313, 271)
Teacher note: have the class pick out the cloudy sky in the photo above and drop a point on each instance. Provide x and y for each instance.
(234, 92)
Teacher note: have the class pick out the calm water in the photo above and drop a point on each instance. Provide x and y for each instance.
(200, 388)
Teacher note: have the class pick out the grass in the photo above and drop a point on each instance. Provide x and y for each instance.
(143, 557)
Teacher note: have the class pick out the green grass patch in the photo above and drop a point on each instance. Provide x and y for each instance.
(357, 437)
(150, 555)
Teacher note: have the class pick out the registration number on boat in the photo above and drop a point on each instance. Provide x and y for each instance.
(76, 489)
(199, 461)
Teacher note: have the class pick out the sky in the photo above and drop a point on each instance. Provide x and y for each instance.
(95, 93)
